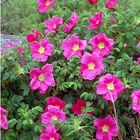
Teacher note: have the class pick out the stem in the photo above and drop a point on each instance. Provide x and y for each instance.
(115, 114)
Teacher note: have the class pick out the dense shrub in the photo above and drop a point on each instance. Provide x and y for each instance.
(25, 106)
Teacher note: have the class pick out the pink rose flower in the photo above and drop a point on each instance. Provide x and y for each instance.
(53, 24)
(136, 101)
(44, 5)
(138, 45)
(110, 85)
(3, 119)
(92, 1)
(106, 128)
(42, 79)
(95, 22)
(34, 36)
(54, 113)
(55, 101)
(101, 44)
(91, 66)
(50, 133)
(42, 50)
(79, 106)
(111, 4)
(138, 60)
(71, 23)
(73, 46)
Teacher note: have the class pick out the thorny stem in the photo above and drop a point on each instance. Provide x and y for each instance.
(115, 114)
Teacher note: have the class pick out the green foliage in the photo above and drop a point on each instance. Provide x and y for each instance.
(25, 106)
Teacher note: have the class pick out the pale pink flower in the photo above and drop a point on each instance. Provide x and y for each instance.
(95, 22)
(42, 79)
(106, 128)
(44, 5)
(55, 101)
(92, 1)
(136, 101)
(91, 66)
(42, 50)
(111, 4)
(101, 44)
(53, 24)
(110, 87)
(3, 118)
(138, 45)
(50, 133)
(73, 46)
(54, 113)
(71, 23)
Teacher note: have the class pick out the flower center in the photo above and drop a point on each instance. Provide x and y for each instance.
(41, 77)
(52, 138)
(48, 3)
(105, 128)
(54, 26)
(75, 48)
(91, 66)
(97, 22)
(101, 45)
(110, 86)
(41, 50)
(54, 118)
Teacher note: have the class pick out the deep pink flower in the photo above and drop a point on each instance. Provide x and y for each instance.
(110, 85)
(136, 101)
(93, 1)
(101, 44)
(111, 4)
(78, 107)
(42, 79)
(42, 50)
(73, 46)
(50, 133)
(95, 22)
(106, 128)
(44, 5)
(91, 66)
(55, 101)
(138, 60)
(71, 23)
(53, 113)
(34, 36)
(3, 119)
(53, 24)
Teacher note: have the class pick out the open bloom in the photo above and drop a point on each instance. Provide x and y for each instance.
(42, 50)
(3, 118)
(53, 24)
(42, 79)
(106, 128)
(73, 46)
(110, 87)
(93, 1)
(54, 113)
(34, 36)
(101, 44)
(136, 101)
(95, 22)
(50, 133)
(79, 106)
(111, 4)
(71, 23)
(44, 5)
(91, 66)
(55, 101)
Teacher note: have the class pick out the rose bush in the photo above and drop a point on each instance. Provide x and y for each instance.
(77, 77)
